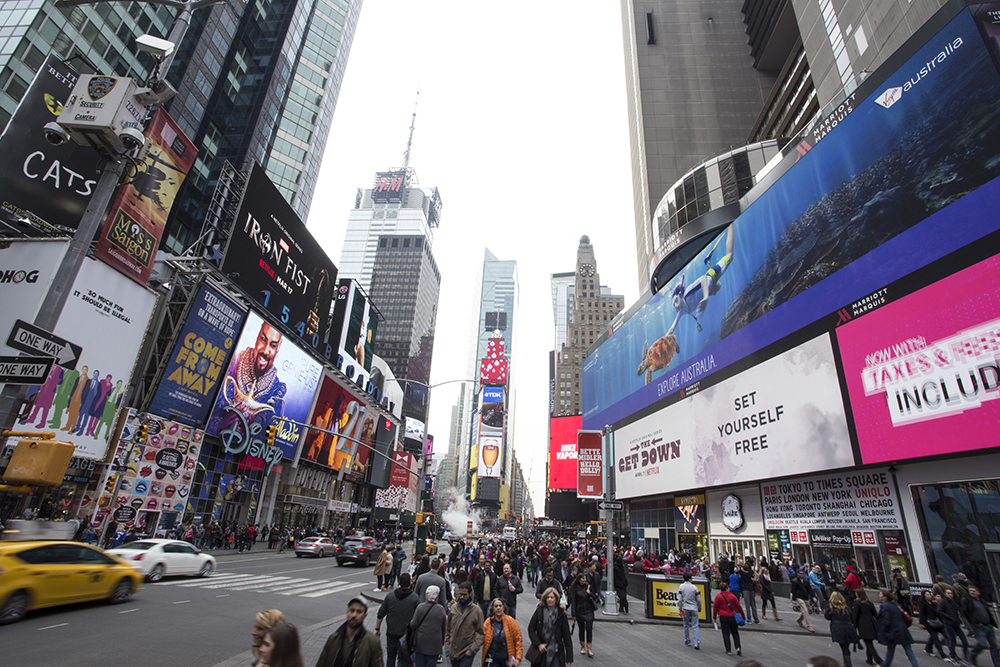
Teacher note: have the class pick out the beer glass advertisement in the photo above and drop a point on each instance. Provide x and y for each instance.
(781, 417)
(50, 185)
(106, 314)
(345, 414)
(268, 378)
(191, 379)
(922, 371)
(859, 210)
(279, 264)
(491, 418)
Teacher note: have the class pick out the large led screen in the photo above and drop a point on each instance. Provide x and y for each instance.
(269, 377)
(340, 411)
(891, 189)
(491, 420)
(562, 452)
(782, 417)
(191, 379)
(923, 372)
(352, 333)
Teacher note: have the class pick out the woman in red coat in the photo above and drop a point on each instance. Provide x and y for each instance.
(724, 612)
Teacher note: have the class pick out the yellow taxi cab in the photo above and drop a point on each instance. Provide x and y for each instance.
(38, 574)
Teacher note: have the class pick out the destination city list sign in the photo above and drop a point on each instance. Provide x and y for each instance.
(844, 501)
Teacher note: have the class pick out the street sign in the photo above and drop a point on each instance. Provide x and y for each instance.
(611, 505)
(18, 370)
(41, 343)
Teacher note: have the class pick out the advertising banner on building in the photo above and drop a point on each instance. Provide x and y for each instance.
(493, 367)
(782, 417)
(923, 372)
(562, 452)
(491, 421)
(352, 332)
(50, 185)
(191, 379)
(590, 465)
(138, 216)
(268, 378)
(385, 441)
(413, 435)
(277, 262)
(856, 212)
(105, 314)
(664, 603)
(387, 389)
(402, 491)
(850, 500)
(342, 412)
(158, 475)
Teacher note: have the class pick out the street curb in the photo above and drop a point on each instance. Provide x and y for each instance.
(624, 618)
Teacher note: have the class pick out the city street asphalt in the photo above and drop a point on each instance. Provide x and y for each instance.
(207, 622)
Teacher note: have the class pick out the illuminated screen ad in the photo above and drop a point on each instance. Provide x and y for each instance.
(922, 371)
(907, 178)
(562, 452)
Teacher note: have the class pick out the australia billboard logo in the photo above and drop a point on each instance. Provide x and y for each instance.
(894, 94)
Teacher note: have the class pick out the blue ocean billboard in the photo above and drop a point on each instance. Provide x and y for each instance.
(909, 177)
(198, 361)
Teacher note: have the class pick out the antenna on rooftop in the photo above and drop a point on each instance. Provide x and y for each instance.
(409, 142)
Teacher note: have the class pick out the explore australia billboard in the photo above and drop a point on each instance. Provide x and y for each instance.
(906, 179)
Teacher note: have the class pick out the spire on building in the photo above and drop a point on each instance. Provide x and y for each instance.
(409, 142)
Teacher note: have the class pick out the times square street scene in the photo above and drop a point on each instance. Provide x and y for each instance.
(246, 421)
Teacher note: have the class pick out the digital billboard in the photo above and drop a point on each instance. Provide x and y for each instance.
(135, 224)
(491, 421)
(413, 435)
(864, 207)
(352, 331)
(40, 181)
(782, 417)
(590, 465)
(922, 371)
(385, 441)
(191, 379)
(386, 388)
(402, 492)
(340, 411)
(106, 314)
(562, 452)
(493, 367)
(269, 377)
(273, 258)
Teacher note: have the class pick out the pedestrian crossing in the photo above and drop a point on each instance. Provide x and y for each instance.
(266, 583)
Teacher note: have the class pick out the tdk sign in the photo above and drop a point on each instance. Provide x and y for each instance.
(492, 395)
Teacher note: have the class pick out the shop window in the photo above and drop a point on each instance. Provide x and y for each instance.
(986, 498)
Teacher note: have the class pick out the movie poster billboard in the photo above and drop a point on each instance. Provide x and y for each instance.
(268, 378)
(590, 465)
(50, 185)
(922, 371)
(562, 452)
(855, 213)
(491, 421)
(782, 417)
(191, 379)
(278, 263)
(348, 416)
(352, 332)
(138, 216)
(105, 314)
(158, 476)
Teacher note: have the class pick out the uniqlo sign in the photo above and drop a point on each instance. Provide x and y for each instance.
(863, 538)
(799, 536)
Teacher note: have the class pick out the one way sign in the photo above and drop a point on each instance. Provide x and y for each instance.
(41, 343)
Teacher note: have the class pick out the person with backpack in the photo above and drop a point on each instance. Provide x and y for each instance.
(397, 609)
(893, 629)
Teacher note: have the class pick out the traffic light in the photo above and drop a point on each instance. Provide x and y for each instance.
(420, 518)
(142, 434)
(272, 434)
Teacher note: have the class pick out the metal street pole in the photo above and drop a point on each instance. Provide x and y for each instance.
(609, 533)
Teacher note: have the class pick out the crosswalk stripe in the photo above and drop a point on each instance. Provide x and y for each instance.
(214, 577)
(319, 586)
(246, 586)
(319, 594)
(295, 583)
(229, 582)
(305, 587)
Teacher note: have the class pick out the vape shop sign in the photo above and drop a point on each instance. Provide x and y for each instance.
(846, 501)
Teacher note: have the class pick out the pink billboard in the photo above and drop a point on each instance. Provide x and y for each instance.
(923, 372)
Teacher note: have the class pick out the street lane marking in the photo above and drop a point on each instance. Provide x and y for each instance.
(49, 627)
(129, 611)
(258, 581)
(305, 569)
(291, 583)
(260, 584)
(319, 594)
(182, 601)
(312, 585)
(222, 596)
(220, 575)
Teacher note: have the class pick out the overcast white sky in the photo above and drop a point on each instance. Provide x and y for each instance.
(522, 125)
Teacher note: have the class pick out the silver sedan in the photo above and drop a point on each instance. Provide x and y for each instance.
(315, 546)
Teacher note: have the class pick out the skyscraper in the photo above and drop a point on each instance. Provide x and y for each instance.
(257, 81)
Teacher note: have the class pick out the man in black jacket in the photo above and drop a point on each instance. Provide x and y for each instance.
(548, 580)
(976, 612)
(508, 588)
(801, 592)
(397, 609)
(486, 587)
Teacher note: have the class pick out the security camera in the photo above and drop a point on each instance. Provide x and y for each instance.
(55, 133)
(132, 138)
(154, 46)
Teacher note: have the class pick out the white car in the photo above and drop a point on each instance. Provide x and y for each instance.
(156, 558)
